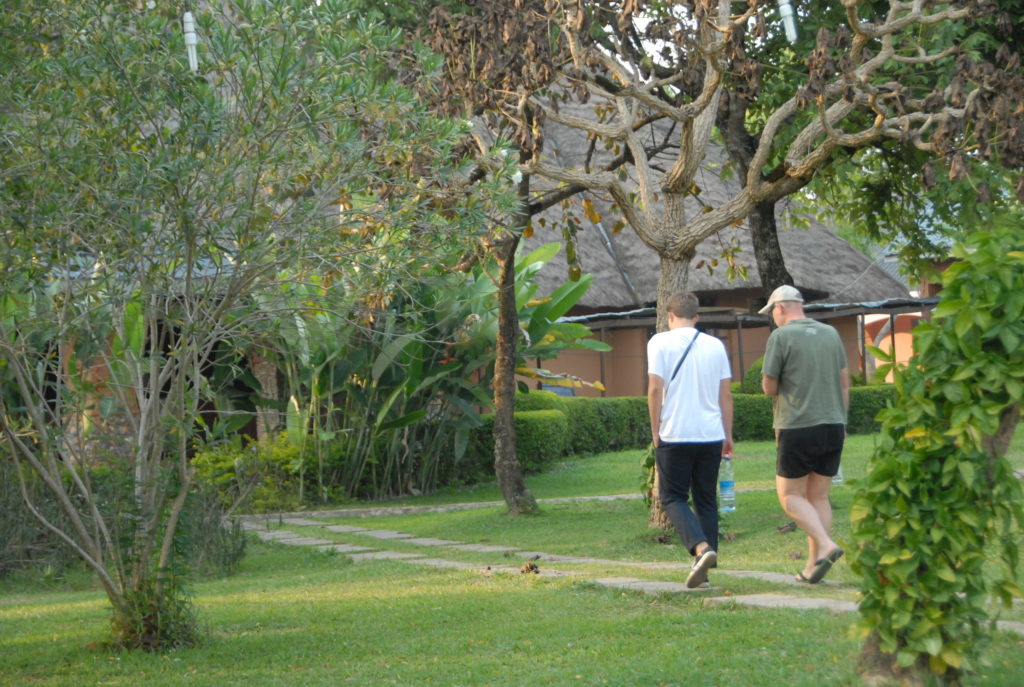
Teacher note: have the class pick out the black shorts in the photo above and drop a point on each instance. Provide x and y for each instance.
(802, 451)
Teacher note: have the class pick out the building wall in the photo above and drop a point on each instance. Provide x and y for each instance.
(623, 370)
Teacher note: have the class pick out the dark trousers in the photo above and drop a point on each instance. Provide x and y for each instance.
(685, 471)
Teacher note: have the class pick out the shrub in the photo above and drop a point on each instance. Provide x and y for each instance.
(751, 383)
(541, 400)
(26, 546)
(865, 404)
(541, 438)
(752, 417)
(212, 544)
(264, 476)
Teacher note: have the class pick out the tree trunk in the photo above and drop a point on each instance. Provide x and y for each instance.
(506, 464)
(672, 278)
(879, 669)
(765, 236)
(268, 419)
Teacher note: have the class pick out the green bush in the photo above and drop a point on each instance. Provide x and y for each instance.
(751, 383)
(752, 413)
(541, 400)
(752, 417)
(865, 404)
(541, 438)
(611, 423)
(263, 476)
(26, 546)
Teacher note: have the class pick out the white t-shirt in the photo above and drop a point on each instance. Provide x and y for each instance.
(690, 410)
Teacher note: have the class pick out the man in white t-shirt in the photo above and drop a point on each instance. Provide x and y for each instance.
(690, 407)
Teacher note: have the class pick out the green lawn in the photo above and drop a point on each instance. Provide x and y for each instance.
(295, 616)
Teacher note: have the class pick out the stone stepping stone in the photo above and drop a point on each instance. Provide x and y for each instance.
(575, 559)
(430, 541)
(344, 528)
(385, 534)
(301, 522)
(1010, 626)
(645, 586)
(276, 535)
(372, 555)
(304, 541)
(441, 563)
(484, 548)
(344, 548)
(659, 566)
(774, 577)
(542, 572)
(785, 601)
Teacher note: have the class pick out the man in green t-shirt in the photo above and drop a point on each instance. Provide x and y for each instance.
(805, 371)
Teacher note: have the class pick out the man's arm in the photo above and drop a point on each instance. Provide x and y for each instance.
(769, 385)
(844, 386)
(725, 404)
(655, 397)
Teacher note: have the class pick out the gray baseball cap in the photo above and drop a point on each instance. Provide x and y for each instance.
(783, 293)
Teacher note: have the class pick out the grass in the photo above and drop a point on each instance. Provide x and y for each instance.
(295, 616)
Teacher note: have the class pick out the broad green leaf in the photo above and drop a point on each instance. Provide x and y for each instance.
(404, 421)
(967, 472)
(952, 656)
(388, 355)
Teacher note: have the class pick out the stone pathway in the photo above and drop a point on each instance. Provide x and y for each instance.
(259, 526)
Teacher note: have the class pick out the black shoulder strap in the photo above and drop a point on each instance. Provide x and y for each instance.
(685, 353)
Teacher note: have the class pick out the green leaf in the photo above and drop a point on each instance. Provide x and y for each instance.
(952, 656)
(860, 510)
(967, 473)
(404, 421)
(1009, 339)
(964, 323)
(388, 355)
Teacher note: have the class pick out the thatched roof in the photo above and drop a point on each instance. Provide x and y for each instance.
(825, 267)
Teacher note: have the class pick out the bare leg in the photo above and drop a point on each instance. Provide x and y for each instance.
(817, 493)
(805, 500)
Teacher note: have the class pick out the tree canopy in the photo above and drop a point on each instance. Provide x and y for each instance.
(860, 75)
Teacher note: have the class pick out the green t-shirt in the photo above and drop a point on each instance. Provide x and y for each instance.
(806, 357)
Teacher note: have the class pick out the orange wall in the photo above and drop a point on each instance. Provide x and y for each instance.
(623, 370)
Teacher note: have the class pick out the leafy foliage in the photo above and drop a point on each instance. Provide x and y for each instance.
(931, 520)
(150, 215)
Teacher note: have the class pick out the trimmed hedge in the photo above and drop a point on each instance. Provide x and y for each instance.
(541, 439)
(752, 413)
(751, 383)
(550, 427)
(752, 417)
(865, 404)
(610, 424)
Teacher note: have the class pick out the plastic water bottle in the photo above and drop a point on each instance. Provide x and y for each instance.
(838, 479)
(726, 486)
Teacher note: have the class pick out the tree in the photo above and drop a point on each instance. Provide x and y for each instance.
(491, 77)
(687, 63)
(890, 196)
(692, 67)
(151, 214)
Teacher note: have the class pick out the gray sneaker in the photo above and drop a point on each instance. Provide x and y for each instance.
(699, 572)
